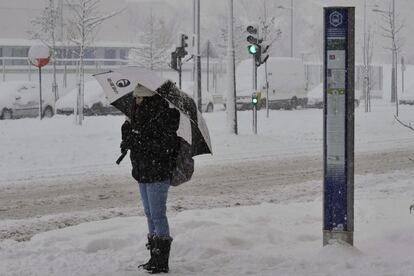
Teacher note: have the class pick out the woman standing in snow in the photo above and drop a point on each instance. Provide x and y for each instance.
(151, 137)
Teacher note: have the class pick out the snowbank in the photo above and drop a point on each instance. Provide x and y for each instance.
(268, 239)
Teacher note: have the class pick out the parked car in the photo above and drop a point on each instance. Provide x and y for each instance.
(315, 97)
(407, 97)
(286, 84)
(95, 102)
(207, 100)
(20, 99)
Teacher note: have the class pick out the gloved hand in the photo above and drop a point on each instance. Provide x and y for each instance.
(125, 145)
(126, 130)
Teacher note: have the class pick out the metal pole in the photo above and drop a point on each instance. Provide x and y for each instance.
(4, 69)
(208, 66)
(30, 71)
(81, 115)
(394, 88)
(65, 75)
(179, 72)
(253, 73)
(255, 119)
(214, 76)
(365, 57)
(255, 77)
(193, 46)
(40, 93)
(291, 28)
(402, 74)
(199, 96)
(254, 91)
(231, 76)
(267, 92)
(396, 61)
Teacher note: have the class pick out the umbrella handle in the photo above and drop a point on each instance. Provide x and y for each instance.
(123, 154)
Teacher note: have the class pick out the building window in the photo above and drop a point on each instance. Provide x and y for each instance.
(110, 54)
(89, 54)
(20, 52)
(123, 54)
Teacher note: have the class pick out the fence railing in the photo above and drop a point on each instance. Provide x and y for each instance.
(63, 65)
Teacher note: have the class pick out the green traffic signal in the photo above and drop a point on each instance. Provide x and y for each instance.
(255, 99)
(252, 49)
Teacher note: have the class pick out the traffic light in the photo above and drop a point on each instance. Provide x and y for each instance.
(255, 48)
(174, 63)
(255, 99)
(252, 48)
(182, 42)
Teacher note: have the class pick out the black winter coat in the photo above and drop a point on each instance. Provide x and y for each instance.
(152, 139)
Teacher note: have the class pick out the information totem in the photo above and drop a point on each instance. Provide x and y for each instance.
(338, 185)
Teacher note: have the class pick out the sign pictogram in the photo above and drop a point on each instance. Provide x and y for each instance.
(336, 19)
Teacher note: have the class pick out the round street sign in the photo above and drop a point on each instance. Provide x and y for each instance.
(39, 55)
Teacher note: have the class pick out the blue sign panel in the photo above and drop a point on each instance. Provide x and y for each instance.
(336, 125)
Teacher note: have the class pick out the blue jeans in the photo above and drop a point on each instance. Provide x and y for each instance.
(154, 198)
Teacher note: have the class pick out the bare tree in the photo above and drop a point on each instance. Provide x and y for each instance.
(155, 41)
(368, 74)
(270, 33)
(45, 28)
(269, 30)
(391, 30)
(82, 30)
(259, 14)
(240, 35)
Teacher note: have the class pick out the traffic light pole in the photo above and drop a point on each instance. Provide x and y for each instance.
(198, 57)
(267, 92)
(256, 49)
(40, 93)
(254, 82)
(179, 72)
(231, 109)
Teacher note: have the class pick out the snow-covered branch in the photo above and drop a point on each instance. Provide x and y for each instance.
(82, 30)
(155, 41)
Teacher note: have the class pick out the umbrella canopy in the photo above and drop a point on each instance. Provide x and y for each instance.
(119, 85)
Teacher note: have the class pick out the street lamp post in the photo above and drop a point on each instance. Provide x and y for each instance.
(291, 28)
(364, 55)
(291, 24)
(231, 77)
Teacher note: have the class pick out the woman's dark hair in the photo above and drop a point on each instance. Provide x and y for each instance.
(152, 103)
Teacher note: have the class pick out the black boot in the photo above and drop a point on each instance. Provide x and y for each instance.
(150, 246)
(161, 255)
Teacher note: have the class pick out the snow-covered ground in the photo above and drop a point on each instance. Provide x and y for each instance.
(267, 239)
(280, 238)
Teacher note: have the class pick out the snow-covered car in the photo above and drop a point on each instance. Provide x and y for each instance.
(407, 97)
(207, 101)
(315, 97)
(285, 82)
(95, 102)
(20, 99)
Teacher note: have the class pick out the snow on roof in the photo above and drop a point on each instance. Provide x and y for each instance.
(21, 42)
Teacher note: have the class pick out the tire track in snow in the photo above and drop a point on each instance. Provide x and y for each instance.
(41, 204)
